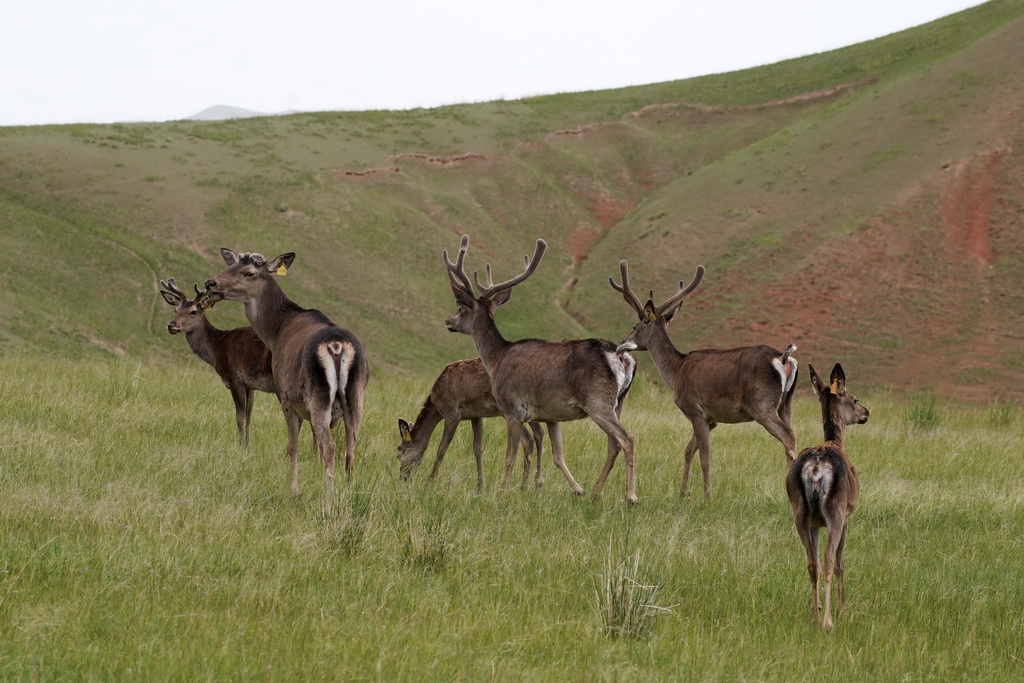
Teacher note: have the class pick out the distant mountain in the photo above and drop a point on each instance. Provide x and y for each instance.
(222, 112)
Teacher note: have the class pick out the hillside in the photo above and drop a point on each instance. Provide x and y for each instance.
(864, 203)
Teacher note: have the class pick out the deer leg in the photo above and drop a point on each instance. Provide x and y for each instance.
(691, 448)
(538, 440)
(835, 535)
(450, 425)
(618, 439)
(238, 396)
(526, 438)
(809, 536)
(249, 396)
(555, 434)
(293, 421)
(478, 450)
(353, 415)
(515, 430)
(780, 429)
(840, 569)
(702, 435)
(321, 423)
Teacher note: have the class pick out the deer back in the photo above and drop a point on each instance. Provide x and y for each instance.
(726, 383)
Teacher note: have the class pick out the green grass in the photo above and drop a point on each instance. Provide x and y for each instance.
(140, 542)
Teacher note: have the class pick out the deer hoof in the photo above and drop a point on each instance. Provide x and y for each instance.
(632, 500)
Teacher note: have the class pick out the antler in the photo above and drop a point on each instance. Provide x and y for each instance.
(171, 286)
(530, 265)
(624, 288)
(676, 299)
(457, 270)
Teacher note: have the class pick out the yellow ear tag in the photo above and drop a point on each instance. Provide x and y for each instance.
(406, 436)
(835, 387)
(281, 270)
(651, 316)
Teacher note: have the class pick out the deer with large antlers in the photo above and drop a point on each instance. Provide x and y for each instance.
(461, 392)
(713, 386)
(241, 360)
(320, 368)
(822, 486)
(540, 380)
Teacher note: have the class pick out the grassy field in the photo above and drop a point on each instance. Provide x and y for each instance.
(141, 543)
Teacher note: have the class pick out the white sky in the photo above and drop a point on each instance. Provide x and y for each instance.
(65, 61)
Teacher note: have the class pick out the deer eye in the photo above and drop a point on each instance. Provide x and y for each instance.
(194, 312)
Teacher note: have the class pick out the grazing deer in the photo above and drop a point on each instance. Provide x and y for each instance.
(461, 392)
(823, 487)
(238, 355)
(540, 380)
(320, 368)
(714, 386)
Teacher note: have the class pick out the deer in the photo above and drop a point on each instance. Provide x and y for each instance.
(320, 368)
(461, 392)
(823, 487)
(713, 386)
(241, 360)
(542, 380)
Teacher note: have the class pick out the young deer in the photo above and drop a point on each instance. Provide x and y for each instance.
(238, 355)
(540, 380)
(320, 368)
(713, 386)
(461, 392)
(823, 487)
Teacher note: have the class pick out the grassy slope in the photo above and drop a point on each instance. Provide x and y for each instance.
(768, 197)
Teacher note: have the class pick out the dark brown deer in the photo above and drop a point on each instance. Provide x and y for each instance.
(540, 380)
(823, 487)
(320, 368)
(461, 392)
(238, 355)
(714, 386)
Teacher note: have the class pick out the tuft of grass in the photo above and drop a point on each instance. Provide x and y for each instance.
(627, 599)
(922, 411)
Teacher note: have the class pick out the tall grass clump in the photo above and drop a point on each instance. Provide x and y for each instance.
(922, 411)
(428, 533)
(627, 599)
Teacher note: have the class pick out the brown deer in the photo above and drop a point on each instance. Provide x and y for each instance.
(320, 368)
(714, 386)
(238, 355)
(823, 487)
(540, 380)
(461, 392)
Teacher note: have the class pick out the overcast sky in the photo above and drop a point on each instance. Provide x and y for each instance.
(66, 61)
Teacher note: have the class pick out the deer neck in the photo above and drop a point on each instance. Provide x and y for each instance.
(667, 358)
(490, 345)
(269, 313)
(201, 339)
(424, 426)
(832, 422)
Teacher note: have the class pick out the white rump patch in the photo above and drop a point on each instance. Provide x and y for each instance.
(787, 372)
(337, 375)
(623, 366)
(817, 478)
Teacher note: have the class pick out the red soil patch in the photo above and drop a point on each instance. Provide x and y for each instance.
(967, 208)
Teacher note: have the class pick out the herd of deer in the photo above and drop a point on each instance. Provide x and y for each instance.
(319, 372)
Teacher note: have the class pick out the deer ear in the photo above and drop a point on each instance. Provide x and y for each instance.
(649, 313)
(172, 299)
(461, 297)
(281, 264)
(405, 430)
(230, 257)
(502, 297)
(838, 379)
(816, 382)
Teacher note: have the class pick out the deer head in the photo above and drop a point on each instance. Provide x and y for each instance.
(247, 275)
(409, 454)
(842, 406)
(471, 307)
(651, 318)
(187, 312)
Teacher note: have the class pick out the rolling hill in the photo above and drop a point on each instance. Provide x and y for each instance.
(865, 204)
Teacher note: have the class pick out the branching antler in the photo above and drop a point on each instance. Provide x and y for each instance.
(676, 299)
(624, 288)
(171, 287)
(457, 270)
